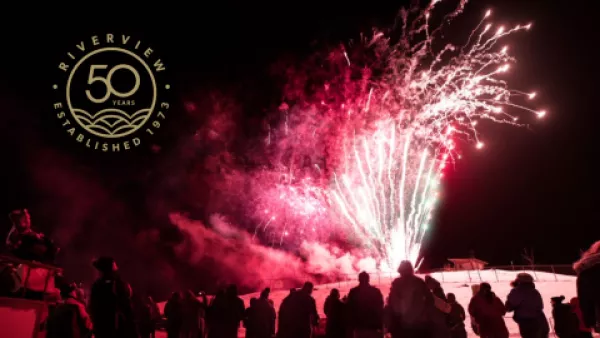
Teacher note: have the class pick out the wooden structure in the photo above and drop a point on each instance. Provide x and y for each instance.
(26, 318)
(461, 264)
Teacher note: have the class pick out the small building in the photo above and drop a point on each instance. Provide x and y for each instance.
(467, 264)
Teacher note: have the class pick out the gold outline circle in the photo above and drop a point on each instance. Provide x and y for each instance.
(115, 49)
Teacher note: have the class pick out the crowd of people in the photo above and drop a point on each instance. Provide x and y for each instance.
(414, 308)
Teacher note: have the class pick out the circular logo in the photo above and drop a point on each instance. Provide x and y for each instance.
(112, 92)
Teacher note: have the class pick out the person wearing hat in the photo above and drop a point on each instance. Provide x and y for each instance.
(411, 304)
(69, 319)
(528, 307)
(111, 308)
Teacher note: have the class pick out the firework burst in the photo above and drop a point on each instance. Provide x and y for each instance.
(380, 141)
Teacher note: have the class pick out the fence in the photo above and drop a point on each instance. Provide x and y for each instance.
(546, 273)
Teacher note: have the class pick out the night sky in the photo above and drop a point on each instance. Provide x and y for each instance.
(531, 187)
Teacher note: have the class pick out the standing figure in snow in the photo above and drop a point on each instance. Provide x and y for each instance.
(192, 311)
(588, 290)
(441, 308)
(456, 318)
(111, 308)
(285, 317)
(365, 309)
(300, 314)
(526, 303)
(335, 311)
(487, 311)
(411, 305)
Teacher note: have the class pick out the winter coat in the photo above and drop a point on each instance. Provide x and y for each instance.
(298, 315)
(111, 309)
(260, 320)
(588, 292)
(335, 311)
(365, 308)
(526, 302)
(174, 317)
(192, 312)
(411, 303)
(488, 312)
(528, 306)
(69, 320)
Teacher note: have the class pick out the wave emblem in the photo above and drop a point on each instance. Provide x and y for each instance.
(111, 122)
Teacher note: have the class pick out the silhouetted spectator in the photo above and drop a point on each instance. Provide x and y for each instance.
(528, 307)
(250, 318)
(25, 243)
(216, 314)
(69, 319)
(173, 313)
(143, 315)
(583, 330)
(588, 280)
(265, 316)
(154, 315)
(441, 308)
(285, 315)
(335, 311)
(192, 312)
(365, 308)
(411, 304)
(487, 311)
(303, 314)
(110, 303)
(456, 318)
(565, 319)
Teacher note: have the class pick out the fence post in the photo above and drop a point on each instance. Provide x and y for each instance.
(496, 273)
(535, 274)
(554, 272)
(479, 274)
(469, 274)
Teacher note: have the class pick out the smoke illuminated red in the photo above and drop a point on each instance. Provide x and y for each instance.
(362, 149)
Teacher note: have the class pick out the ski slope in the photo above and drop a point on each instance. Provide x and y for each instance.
(457, 282)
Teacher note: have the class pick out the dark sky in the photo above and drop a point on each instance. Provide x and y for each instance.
(530, 188)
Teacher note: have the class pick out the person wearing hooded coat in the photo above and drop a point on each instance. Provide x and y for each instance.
(110, 305)
(440, 310)
(487, 311)
(588, 290)
(528, 307)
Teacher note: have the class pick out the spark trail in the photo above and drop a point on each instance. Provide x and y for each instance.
(389, 133)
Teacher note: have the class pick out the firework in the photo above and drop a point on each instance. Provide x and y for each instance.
(387, 135)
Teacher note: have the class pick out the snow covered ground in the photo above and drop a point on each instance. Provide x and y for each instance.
(457, 282)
